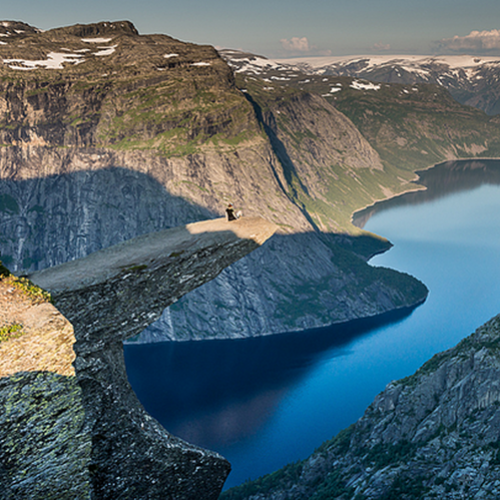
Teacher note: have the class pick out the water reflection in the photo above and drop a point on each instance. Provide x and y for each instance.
(441, 180)
(221, 392)
(268, 401)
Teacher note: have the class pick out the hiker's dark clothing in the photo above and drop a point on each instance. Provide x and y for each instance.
(230, 213)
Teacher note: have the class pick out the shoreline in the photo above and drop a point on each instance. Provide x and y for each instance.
(419, 187)
(375, 320)
(340, 324)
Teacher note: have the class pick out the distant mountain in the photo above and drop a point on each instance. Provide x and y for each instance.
(471, 80)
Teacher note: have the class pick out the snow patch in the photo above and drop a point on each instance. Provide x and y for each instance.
(201, 63)
(335, 89)
(96, 40)
(364, 86)
(106, 51)
(3, 43)
(168, 56)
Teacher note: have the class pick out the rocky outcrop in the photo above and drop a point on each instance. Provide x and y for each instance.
(87, 436)
(432, 435)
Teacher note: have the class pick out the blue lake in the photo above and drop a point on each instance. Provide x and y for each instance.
(269, 401)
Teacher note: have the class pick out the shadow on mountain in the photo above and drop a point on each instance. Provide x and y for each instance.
(218, 392)
(50, 220)
(441, 180)
(294, 282)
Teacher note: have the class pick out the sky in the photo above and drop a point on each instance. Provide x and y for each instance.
(287, 28)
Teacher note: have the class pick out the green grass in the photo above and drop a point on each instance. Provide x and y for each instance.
(28, 288)
(11, 331)
(285, 476)
(4, 272)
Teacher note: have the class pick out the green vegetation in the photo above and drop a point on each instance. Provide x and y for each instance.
(29, 289)
(413, 130)
(8, 204)
(384, 454)
(406, 487)
(132, 269)
(411, 127)
(11, 331)
(332, 487)
(34, 292)
(176, 254)
(131, 99)
(365, 281)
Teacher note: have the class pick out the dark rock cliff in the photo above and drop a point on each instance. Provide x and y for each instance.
(87, 436)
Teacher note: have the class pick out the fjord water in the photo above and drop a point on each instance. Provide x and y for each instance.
(269, 401)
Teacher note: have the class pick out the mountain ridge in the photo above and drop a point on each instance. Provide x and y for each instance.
(162, 125)
(470, 79)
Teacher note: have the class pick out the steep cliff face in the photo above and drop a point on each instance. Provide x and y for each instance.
(320, 282)
(432, 435)
(319, 178)
(108, 135)
(85, 435)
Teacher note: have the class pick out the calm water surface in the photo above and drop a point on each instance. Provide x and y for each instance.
(265, 402)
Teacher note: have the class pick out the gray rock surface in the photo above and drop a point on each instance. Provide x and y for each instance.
(86, 204)
(88, 436)
(134, 142)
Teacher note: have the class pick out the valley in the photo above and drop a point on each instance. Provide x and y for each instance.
(107, 135)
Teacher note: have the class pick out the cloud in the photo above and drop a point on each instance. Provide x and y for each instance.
(478, 42)
(381, 46)
(298, 45)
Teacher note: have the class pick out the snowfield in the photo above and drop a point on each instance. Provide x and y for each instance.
(54, 60)
(105, 51)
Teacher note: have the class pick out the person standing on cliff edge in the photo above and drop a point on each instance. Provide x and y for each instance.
(230, 213)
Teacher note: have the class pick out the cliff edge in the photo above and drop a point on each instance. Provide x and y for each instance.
(86, 435)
